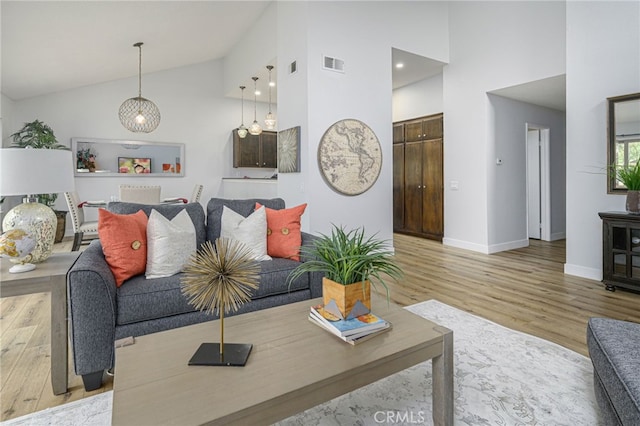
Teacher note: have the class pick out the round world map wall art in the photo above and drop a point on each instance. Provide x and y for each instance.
(350, 157)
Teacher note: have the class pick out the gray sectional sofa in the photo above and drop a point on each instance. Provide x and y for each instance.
(614, 348)
(102, 313)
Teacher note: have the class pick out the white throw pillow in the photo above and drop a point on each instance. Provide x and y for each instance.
(170, 243)
(251, 230)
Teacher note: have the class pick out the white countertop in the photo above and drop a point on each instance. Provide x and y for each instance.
(251, 180)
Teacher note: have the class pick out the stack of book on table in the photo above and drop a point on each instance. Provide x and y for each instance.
(351, 330)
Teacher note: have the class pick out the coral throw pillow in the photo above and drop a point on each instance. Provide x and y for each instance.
(124, 243)
(283, 232)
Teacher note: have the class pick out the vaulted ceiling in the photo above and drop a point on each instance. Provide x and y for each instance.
(52, 46)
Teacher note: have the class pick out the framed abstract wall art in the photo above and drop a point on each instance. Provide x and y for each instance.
(289, 150)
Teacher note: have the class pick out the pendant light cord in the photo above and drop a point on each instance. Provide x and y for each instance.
(140, 70)
(255, 98)
(269, 90)
(242, 105)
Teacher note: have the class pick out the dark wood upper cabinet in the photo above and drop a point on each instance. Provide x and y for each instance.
(269, 150)
(424, 128)
(256, 151)
(398, 133)
(413, 131)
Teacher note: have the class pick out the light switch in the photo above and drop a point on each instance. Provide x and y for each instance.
(454, 185)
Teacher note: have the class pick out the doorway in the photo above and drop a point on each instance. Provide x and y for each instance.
(538, 186)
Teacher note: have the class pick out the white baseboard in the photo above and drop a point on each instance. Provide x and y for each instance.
(465, 245)
(494, 248)
(583, 272)
(558, 236)
(511, 245)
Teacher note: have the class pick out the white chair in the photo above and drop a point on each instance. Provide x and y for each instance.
(142, 194)
(195, 195)
(80, 226)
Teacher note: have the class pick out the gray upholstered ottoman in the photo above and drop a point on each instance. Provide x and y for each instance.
(614, 347)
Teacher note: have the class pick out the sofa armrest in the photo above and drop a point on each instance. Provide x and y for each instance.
(307, 241)
(92, 309)
(315, 278)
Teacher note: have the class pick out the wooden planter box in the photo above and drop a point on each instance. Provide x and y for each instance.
(346, 296)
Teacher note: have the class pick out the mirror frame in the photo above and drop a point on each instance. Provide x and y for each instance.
(611, 139)
(127, 142)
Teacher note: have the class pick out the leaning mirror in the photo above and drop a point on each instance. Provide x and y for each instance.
(109, 157)
(623, 136)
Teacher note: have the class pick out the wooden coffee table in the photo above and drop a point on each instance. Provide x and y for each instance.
(294, 365)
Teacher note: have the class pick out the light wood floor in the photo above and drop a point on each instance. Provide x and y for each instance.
(522, 289)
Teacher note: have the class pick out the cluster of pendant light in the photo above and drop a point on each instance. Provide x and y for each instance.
(269, 121)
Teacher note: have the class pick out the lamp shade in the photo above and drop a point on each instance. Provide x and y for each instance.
(26, 171)
(35, 171)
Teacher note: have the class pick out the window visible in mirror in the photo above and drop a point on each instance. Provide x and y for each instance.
(623, 136)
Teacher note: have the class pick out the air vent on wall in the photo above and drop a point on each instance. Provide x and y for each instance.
(333, 64)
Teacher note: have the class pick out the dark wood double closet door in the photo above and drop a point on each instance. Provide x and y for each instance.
(418, 183)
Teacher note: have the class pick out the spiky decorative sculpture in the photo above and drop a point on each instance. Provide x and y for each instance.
(219, 278)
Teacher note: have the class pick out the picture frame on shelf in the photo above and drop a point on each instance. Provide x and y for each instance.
(133, 165)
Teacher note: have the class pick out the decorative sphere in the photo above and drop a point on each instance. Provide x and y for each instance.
(16, 244)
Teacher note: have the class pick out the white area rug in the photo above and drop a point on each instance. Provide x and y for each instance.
(502, 377)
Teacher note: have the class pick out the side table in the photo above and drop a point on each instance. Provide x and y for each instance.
(49, 276)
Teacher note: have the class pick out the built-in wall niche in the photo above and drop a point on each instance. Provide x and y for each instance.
(111, 157)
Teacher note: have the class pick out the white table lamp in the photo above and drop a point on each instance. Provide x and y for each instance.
(28, 171)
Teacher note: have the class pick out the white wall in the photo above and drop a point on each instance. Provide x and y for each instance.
(6, 106)
(603, 60)
(194, 112)
(507, 205)
(418, 99)
(252, 53)
(292, 104)
(492, 45)
(363, 92)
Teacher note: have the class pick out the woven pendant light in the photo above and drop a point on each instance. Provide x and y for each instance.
(138, 114)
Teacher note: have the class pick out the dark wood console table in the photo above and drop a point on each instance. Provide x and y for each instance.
(620, 250)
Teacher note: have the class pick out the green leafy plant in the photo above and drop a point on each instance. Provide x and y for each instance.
(629, 175)
(348, 257)
(37, 134)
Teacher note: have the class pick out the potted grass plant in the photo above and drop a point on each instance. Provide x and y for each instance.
(37, 134)
(629, 175)
(351, 263)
